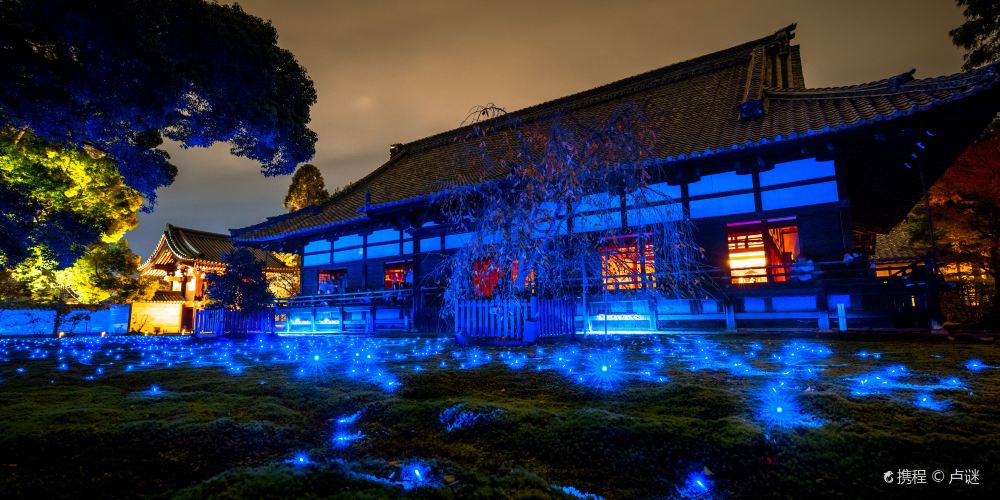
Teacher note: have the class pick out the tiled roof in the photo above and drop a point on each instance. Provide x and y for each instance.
(194, 245)
(718, 103)
(167, 296)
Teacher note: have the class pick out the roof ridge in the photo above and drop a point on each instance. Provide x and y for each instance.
(903, 82)
(723, 58)
(199, 231)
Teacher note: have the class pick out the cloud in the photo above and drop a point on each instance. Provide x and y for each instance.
(396, 71)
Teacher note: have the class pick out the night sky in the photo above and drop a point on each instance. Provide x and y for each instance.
(390, 72)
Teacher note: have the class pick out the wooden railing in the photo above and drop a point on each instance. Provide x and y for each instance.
(402, 295)
(910, 269)
(515, 320)
(220, 321)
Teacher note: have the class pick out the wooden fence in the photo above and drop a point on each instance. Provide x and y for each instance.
(556, 317)
(522, 321)
(221, 321)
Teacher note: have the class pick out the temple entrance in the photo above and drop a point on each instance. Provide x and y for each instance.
(187, 319)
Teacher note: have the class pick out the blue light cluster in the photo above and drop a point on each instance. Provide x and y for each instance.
(471, 358)
(976, 365)
(603, 370)
(606, 365)
(898, 379)
(881, 381)
(927, 401)
(457, 416)
(779, 408)
(344, 431)
(573, 492)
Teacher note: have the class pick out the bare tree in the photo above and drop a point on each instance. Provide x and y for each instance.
(557, 207)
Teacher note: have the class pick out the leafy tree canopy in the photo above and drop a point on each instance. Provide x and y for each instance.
(965, 205)
(979, 35)
(307, 188)
(117, 76)
(107, 272)
(58, 199)
(243, 286)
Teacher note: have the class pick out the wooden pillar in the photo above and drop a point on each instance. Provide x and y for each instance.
(730, 309)
(416, 297)
(364, 262)
(586, 310)
(823, 312)
(371, 320)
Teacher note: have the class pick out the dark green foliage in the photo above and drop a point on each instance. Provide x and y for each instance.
(114, 78)
(979, 35)
(120, 75)
(307, 188)
(243, 286)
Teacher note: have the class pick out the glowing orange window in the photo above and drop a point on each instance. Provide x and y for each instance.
(398, 275)
(627, 263)
(763, 250)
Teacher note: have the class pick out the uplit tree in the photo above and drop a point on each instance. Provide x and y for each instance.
(113, 78)
(551, 203)
(965, 206)
(307, 188)
(108, 272)
(58, 198)
(243, 286)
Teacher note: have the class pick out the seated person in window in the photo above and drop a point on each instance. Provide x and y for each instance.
(802, 268)
(855, 261)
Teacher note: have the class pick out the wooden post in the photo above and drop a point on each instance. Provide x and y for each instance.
(842, 318)
(416, 297)
(730, 316)
(823, 311)
(371, 320)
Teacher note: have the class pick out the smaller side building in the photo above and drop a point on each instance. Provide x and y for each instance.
(182, 259)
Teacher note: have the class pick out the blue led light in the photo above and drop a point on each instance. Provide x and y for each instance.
(778, 409)
(926, 401)
(301, 459)
(975, 365)
(696, 485)
(343, 439)
(573, 492)
(415, 474)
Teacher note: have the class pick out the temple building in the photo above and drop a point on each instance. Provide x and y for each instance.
(778, 178)
(181, 260)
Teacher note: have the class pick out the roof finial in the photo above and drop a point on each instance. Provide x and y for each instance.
(895, 82)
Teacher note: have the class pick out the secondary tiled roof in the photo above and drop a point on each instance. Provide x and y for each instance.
(184, 244)
(167, 296)
(721, 102)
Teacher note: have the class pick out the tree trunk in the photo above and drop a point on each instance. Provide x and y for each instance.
(58, 319)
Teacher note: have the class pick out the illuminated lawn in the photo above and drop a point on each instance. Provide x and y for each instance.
(681, 416)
